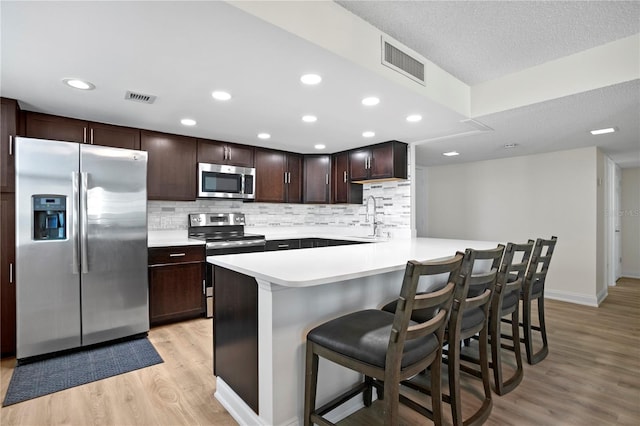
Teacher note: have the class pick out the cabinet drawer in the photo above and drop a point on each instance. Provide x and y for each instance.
(177, 254)
(274, 245)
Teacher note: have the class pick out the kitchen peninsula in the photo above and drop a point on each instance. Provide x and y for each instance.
(265, 303)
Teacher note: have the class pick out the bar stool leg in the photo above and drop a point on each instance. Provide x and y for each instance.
(311, 382)
(453, 364)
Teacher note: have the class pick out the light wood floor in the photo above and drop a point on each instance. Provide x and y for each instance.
(591, 377)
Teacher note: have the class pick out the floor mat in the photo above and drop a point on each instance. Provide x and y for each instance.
(51, 375)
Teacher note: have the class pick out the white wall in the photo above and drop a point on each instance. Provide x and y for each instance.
(535, 196)
(630, 215)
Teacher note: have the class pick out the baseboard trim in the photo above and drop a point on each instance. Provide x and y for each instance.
(238, 409)
(580, 299)
(602, 295)
(631, 275)
(244, 415)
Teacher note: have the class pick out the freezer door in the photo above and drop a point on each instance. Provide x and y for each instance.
(48, 281)
(114, 290)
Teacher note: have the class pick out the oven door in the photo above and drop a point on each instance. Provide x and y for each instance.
(221, 181)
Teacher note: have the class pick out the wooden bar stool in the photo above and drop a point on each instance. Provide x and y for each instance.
(389, 347)
(505, 303)
(469, 318)
(533, 290)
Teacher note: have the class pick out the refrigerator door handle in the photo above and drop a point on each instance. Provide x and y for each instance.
(75, 198)
(84, 239)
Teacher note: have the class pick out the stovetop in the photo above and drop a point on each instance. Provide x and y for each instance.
(224, 236)
(216, 227)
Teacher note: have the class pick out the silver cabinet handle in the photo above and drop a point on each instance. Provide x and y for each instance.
(203, 287)
(283, 245)
(84, 135)
(10, 144)
(289, 177)
(92, 136)
(11, 273)
(176, 254)
(285, 177)
(345, 176)
(84, 234)
(326, 178)
(75, 208)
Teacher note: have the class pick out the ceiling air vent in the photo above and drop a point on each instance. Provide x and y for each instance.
(402, 62)
(139, 97)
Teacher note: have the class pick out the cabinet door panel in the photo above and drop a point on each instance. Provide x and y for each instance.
(175, 292)
(240, 155)
(9, 116)
(211, 151)
(381, 161)
(8, 278)
(270, 169)
(358, 160)
(171, 171)
(316, 178)
(114, 136)
(215, 152)
(340, 175)
(44, 126)
(294, 187)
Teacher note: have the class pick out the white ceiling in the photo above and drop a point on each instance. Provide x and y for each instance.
(181, 51)
(478, 41)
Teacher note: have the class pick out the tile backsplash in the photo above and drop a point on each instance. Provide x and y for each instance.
(393, 201)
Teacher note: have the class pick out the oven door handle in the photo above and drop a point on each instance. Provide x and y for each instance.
(234, 244)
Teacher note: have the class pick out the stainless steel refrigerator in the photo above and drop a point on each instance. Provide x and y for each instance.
(81, 236)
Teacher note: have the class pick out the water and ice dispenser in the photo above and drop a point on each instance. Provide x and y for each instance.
(49, 217)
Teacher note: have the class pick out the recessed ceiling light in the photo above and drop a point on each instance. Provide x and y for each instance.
(319, 146)
(78, 84)
(220, 95)
(603, 131)
(311, 79)
(368, 134)
(264, 135)
(510, 145)
(309, 118)
(414, 118)
(451, 153)
(188, 122)
(370, 101)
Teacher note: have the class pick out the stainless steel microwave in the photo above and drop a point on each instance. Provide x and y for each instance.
(222, 181)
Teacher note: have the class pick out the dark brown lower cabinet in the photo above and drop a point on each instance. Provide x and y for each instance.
(235, 333)
(8, 279)
(176, 283)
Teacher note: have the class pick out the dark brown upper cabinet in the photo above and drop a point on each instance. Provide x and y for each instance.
(8, 132)
(383, 161)
(216, 152)
(278, 176)
(342, 190)
(171, 168)
(317, 171)
(45, 126)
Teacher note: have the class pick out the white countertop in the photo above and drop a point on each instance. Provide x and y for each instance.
(179, 237)
(322, 265)
(171, 238)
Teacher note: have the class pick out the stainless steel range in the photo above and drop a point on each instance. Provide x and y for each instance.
(223, 233)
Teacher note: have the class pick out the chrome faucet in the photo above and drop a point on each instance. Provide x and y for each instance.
(376, 224)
